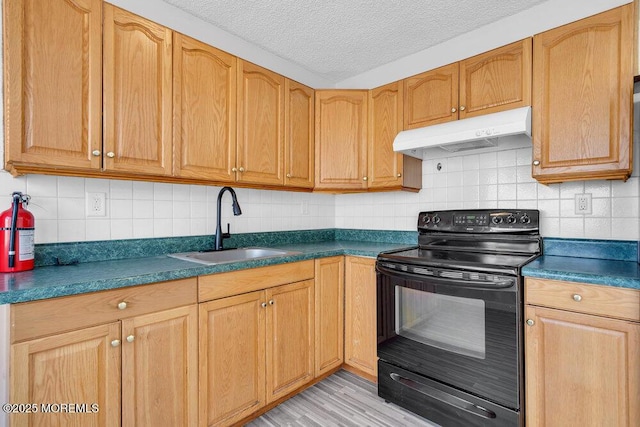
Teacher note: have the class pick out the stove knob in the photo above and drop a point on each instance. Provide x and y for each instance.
(496, 220)
(511, 219)
(525, 219)
(436, 219)
(426, 219)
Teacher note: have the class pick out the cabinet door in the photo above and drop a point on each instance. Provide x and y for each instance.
(341, 139)
(160, 368)
(388, 169)
(204, 127)
(289, 338)
(299, 137)
(232, 358)
(497, 80)
(581, 370)
(583, 75)
(329, 314)
(360, 332)
(80, 367)
(431, 98)
(53, 71)
(137, 94)
(260, 125)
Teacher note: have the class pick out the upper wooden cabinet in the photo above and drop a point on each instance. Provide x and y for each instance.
(431, 98)
(204, 110)
(137, 94)
(583, 80)
(387, 169)
(487, 83)
(341, 139)
(299, 137)
(53, 72)
(260, 125)
(495, 81)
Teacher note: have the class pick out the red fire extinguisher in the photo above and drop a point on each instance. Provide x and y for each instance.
(17, 226)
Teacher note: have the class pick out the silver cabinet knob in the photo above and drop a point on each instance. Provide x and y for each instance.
(96, 153)
(130, 338)
(289, 175)
(115, 343)
(364, 178)
(122, 305)
(399, 175)
(111, 154)
(271, 302)
(453, 110)
(462, 108)
(241, 169)
(536, 163)
(530, 322)
(234, 169)
(577, 298)
(264, 305)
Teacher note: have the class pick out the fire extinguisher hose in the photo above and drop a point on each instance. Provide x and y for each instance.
(14, 223)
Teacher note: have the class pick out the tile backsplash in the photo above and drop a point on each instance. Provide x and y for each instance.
(502, 180)
(490, 180)
(145, 209)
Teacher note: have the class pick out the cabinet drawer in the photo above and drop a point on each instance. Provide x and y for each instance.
(40, 318)
(238, 282)
(607, 301)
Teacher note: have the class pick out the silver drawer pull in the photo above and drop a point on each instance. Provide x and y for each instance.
(122, 305)
(577, 298)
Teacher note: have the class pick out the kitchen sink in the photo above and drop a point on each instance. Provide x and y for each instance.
(231, 255)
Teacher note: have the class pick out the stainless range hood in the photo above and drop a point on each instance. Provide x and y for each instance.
(490, 132)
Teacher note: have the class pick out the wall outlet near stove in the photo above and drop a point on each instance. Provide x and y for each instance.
(583, 204)
(96, 204)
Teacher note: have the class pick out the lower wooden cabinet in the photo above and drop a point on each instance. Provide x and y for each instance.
(254, 349)
(582, 369)
(138, 369)
(81, 366)
(329, 283)
(360, 333)
(159, 368)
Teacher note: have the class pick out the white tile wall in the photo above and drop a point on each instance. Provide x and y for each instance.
(489, 180)
(143, 209)
(503, 180)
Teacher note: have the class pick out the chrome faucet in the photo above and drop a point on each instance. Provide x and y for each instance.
(220, 236)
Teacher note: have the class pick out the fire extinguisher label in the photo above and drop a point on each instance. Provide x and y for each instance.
(26, 244)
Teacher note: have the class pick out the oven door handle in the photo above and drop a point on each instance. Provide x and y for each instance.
(446, 398)
(449, 281)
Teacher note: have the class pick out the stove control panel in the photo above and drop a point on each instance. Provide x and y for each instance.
(480, 221)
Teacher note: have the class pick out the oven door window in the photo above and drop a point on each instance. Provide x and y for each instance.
(450, 323)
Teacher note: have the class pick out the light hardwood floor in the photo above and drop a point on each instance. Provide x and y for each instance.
(342, 399)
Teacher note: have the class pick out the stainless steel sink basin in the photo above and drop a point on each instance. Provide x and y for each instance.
(231, 255)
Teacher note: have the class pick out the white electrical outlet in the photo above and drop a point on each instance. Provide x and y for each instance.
(583, 204)
(96, 204)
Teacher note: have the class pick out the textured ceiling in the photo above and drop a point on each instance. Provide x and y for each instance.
(338, 39)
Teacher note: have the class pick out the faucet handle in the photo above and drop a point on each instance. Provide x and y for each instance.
(228, 233)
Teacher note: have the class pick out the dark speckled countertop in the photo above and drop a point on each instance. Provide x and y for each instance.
(76, 268)
(60, 280)
(599, 262)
